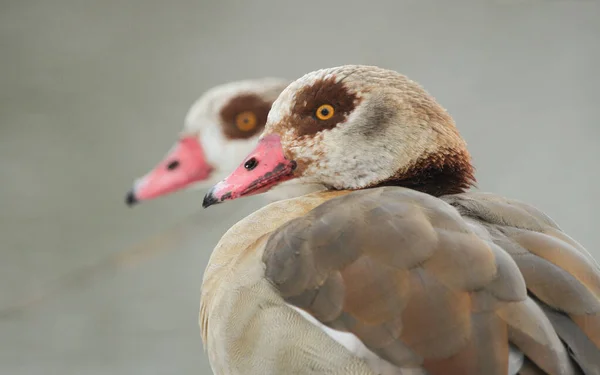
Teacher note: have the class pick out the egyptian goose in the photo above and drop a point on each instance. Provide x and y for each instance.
(221, 127)
(395, 268)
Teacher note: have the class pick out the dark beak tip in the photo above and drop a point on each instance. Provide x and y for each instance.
(209, 200)
(130, 199)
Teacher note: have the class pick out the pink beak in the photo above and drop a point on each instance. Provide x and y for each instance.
(264, 168)
(184, 165)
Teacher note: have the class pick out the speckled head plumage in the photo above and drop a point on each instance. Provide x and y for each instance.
(386, 129)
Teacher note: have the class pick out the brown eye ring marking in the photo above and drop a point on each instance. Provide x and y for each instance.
(237, 109)
(325, 112)
(245, 121)
(333, 92)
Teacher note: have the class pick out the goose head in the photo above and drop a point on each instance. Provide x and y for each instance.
(221, 127)
(353, 127)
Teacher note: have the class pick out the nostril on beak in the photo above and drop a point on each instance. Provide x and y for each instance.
(250, 164)
(173, 165)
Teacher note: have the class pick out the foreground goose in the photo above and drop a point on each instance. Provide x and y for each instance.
(395, 269)
(221, 127)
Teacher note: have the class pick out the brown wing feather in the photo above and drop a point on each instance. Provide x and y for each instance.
(561, 275)
(406, 274)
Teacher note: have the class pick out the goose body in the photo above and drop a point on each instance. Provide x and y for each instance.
(396, 268)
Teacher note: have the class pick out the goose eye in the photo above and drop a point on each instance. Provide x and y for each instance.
(245, 121)
(325, 112)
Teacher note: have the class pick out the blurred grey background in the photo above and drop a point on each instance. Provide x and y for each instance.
(93, 93)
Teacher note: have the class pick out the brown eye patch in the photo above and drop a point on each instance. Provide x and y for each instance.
(324, 92)
(240, 111)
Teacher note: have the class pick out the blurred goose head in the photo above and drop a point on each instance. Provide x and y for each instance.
(221, 127)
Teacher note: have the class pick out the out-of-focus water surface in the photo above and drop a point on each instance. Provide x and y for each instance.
(92, 94)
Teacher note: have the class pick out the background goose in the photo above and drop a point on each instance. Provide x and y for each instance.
(396, 268)
(220, 128)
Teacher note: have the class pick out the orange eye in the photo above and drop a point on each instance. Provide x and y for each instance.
(325, 112)
(245, 121)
